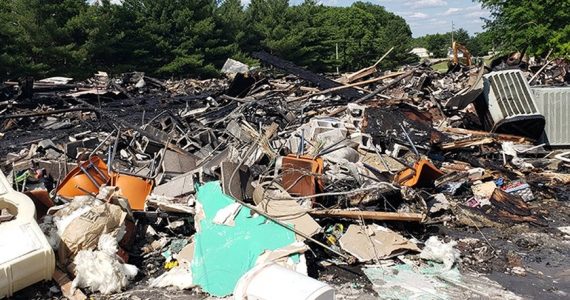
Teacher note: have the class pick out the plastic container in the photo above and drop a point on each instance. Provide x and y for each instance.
(25, 254)
(273, 282)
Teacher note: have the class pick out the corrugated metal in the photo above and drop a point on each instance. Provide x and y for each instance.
(510, 106)
(554, 104)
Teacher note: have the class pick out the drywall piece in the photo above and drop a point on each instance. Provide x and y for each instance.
(289, 211)
(484, 190)
(178, 163)
(179, 186)
(374, 242)
(223, 254)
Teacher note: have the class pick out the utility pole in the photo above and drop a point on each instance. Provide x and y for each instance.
(337, 72)
(452, 30)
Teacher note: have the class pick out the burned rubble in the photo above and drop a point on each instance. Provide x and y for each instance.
(278, 183)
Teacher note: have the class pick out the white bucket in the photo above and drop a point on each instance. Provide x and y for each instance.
(273, 282)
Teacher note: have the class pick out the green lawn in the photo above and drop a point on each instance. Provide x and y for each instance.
(442, 65)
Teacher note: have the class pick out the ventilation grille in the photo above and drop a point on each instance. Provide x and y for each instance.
(510, 106)
(554, 104)
(512, 93)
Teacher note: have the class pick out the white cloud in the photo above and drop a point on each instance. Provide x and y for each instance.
(425, 3)
(437, 21)
(413, 15)
(478, 14)
(418, 15)
(452, 11)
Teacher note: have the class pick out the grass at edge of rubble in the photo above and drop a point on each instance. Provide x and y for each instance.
(441, 66)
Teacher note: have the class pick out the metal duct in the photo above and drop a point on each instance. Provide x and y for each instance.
(554, 104)
(508, 105)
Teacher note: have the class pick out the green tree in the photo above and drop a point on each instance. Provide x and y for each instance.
(540, 25)
(480, 44)
(113, 41)
(232, 27)
(439, 43)
(181, 34)
(45, 35)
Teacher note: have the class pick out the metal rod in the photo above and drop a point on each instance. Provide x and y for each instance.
(102, 143)
(89, 176)
(410, 141)
(103, 176)
(85, 191)
(292, 229)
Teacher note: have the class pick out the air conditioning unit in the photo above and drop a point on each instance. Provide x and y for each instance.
(554, 104)
(508, 105)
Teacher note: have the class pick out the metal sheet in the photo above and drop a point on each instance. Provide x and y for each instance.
(554, 104)
(510, 106)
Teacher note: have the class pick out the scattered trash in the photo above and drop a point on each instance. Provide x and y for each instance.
(374, 243)
(439, 251)
(102, 270)
(265, 282)
(328, 183)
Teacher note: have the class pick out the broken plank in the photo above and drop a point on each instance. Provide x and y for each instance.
(366, 71)
(477, 141)
(369, 215)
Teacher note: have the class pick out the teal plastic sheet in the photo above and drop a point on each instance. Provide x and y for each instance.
(224, 253)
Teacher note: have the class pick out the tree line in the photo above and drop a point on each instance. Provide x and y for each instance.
(535, 26)
(192, 37)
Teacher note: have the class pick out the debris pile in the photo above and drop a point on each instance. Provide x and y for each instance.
(412, 179)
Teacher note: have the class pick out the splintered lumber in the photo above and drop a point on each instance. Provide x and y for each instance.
(374, 93)
(335, 89)
(497, 136)
(369, 215)
(318, 80)
(366, 71)
(476, 141)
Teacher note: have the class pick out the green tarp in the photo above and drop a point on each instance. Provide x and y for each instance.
(224, 253)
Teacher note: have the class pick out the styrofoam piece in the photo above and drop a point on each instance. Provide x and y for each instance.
(26, 257)
(274, 282)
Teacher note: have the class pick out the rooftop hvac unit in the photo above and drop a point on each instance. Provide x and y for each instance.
(554, 104)
(508, 105)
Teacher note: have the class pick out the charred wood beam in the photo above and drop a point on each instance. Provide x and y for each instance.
(318, 80)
